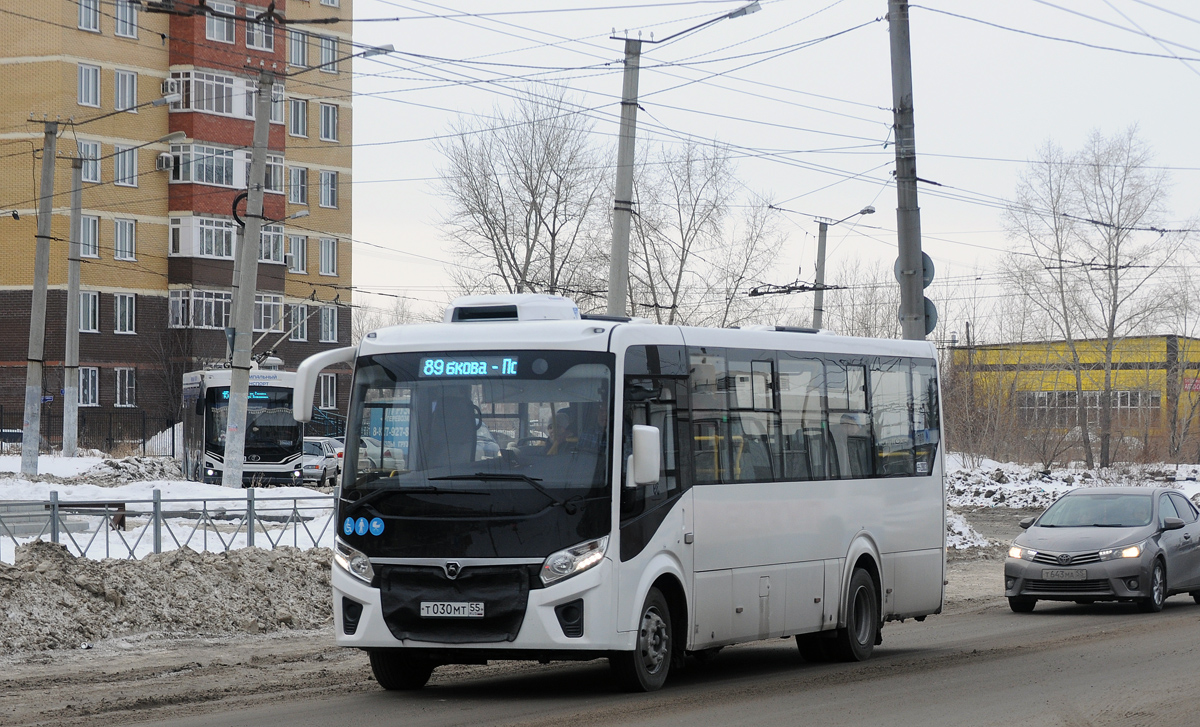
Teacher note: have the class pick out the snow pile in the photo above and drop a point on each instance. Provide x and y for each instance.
(51, 599)
(960, 535)
(994, 484)
(52, 466)
(115, 472)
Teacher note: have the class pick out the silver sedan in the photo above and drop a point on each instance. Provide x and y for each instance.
(1107, 544)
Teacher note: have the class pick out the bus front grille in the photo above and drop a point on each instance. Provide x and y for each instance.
(503, 590)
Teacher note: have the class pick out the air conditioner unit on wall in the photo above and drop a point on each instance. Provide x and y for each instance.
(170, 86)
(164, 162)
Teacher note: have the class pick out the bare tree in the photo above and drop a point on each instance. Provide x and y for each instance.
(868, 301)
(368, 318)
(525, 192)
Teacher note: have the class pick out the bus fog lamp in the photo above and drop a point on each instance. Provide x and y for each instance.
(573, 560)
(353, 561)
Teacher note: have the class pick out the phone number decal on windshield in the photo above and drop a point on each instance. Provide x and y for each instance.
(482, 366)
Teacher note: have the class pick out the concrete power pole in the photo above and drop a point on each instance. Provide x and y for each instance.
(819, 282)
(245, 284)
(31, 437)
(70, 435)
(618, 263)
(908, 213)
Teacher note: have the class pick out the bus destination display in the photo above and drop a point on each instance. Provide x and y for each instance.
(473, 366)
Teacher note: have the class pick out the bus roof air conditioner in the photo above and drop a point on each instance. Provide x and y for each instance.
(525, 307)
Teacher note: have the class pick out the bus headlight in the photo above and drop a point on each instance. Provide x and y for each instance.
(354, 562)
(573, 560)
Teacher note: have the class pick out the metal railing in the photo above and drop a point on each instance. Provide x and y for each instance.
(121, 432)
(130, 529)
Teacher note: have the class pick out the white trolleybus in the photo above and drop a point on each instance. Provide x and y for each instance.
(274, 439)
(530, 483)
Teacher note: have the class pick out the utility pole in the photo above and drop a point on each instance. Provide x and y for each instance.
(618, 262)
(70, 440)
(245, 285)
(819, 283)
(908, 213)
(31, 437)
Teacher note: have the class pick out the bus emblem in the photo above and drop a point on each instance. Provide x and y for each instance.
(452, 570)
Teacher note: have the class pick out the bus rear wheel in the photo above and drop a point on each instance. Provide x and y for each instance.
(645, 668)
(397, 671)
(857, 640)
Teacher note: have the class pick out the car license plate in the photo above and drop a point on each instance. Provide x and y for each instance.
(451, 609)
(1068, 574)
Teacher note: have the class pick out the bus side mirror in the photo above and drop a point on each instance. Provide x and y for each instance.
(647, 454)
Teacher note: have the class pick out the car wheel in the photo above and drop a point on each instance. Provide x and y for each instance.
(1021, 605)
(395, 670)
(645, 668)
(1195, 596)
(1158, 590)
(857, 640)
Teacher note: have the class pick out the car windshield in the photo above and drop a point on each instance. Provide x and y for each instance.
(1095, 509)
(314, 448)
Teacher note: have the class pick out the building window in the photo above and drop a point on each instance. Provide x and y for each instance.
(125, 166)
(123, 308)
(126, 388)
(268, 313)
(125, 90)
(89, 391)
(328, 391)
(297, 48)
(89, 236)
(89, 152)
(271, 246)
(298, 124)
(219, 28)
(329, 57)
(89, 15)
(215, 237)
(124, 233)
(260, 35)
(175, 237)
(202, 164)
(210, 309)
(89, 312)
(89, 85)
(329, 122)
(328, 256)
(274, 180)
(179, 310)
(328, 324)
(212, 92)
(297, 185)
(299, 321)
(329, 189)
(297, 254)
(126, 15)
(331, 3)
(277, 103)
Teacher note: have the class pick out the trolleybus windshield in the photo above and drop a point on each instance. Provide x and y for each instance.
(270, 428)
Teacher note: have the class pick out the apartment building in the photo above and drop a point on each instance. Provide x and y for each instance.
(159, 234)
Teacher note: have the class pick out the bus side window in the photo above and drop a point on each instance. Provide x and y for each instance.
(926, 417)
(849, 421)
(802, 410)
(652, 402)
(890, 407)
(710, 414)
(753, 423)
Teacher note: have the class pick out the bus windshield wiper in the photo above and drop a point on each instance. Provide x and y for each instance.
(534, 482)
(418, 489)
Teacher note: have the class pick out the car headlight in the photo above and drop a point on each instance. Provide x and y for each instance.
(1129, 551)
(353, 561)
(573, 560)
(1021, 553)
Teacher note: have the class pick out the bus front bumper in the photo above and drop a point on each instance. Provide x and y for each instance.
(213, 476)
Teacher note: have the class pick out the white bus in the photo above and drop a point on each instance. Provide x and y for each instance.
(530, 483)
(274, 439)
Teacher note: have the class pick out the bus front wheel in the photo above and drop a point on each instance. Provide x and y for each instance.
(857, 640)
(645, 668)
(395, 670)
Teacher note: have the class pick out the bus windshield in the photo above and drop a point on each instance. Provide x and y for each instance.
(270, 428)
(514, 436)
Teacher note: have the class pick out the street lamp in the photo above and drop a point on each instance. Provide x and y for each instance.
(819, 283)
(618, 265)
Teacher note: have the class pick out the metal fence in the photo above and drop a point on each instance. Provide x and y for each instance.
(116, 432)
(129, 528)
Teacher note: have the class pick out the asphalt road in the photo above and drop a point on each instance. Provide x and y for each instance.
(1064, 664)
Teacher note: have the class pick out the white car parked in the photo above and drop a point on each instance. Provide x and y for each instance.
(320, 463)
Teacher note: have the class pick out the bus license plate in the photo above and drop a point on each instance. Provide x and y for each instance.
(1069, 574)
(451, 609)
